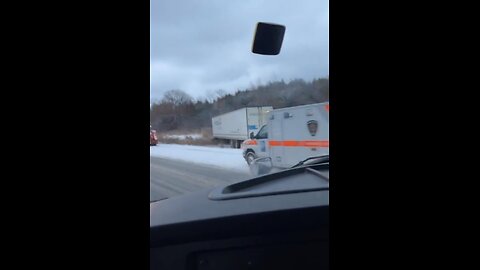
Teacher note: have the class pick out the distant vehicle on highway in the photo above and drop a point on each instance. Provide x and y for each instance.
(153, 137)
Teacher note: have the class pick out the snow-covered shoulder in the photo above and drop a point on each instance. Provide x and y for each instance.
(227, 158)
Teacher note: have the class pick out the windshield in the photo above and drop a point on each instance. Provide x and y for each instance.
(210, 95)
(263, 133)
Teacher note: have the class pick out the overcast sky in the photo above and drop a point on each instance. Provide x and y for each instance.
(200, 46)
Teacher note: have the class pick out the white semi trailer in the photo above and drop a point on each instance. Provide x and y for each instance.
(237, 125)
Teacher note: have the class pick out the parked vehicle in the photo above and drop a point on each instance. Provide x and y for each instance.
(236, 126)
(153, 137)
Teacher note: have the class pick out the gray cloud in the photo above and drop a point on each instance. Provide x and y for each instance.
(200, 46)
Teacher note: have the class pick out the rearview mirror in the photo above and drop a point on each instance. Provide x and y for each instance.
(252, 136)
(268, 38)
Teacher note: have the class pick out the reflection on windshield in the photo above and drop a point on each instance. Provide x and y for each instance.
(220, 114)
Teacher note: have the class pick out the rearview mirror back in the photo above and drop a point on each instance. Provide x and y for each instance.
(268, 38)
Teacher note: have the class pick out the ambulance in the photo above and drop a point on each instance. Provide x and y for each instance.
(290, 136)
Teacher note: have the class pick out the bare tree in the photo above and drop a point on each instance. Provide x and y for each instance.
(220, 93)
(177, 97)
(178, 110)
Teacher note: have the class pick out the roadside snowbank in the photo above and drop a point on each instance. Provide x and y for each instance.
(227, 158)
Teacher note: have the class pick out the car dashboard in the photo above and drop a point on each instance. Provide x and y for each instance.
(276, 221)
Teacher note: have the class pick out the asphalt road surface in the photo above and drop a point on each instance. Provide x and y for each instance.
(170, 177)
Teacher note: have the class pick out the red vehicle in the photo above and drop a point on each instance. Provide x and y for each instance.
(153, 137)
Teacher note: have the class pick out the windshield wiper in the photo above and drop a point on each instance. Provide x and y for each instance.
(158, 200)
(323, 159)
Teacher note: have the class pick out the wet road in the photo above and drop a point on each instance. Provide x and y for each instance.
(170, 177)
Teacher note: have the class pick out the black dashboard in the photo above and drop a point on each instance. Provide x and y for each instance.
(277, 221)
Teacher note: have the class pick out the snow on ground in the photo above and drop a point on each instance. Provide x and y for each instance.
(183, 137)
(227, 158)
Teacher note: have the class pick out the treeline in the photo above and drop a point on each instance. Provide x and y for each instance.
(178, 110)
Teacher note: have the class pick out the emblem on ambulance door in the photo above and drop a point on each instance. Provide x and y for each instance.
(312, 127)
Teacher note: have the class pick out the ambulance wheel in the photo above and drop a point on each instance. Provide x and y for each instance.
(250, 157)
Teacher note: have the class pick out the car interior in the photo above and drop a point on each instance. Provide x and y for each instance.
(275, 221)
(272, 221)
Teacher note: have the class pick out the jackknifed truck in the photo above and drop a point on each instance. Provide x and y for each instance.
(235, 127)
